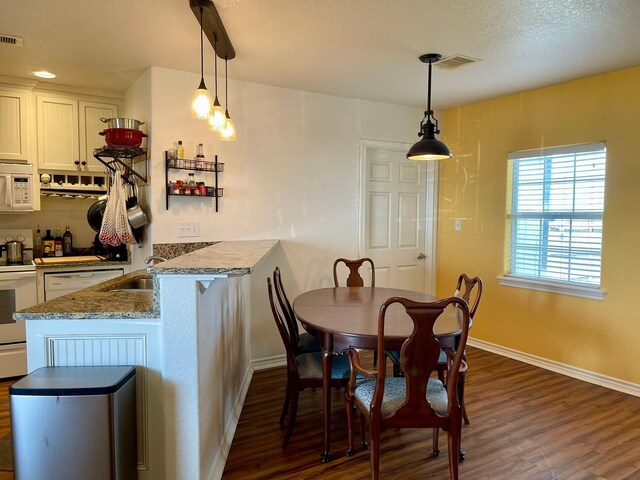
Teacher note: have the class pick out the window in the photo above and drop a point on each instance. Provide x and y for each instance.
(554, 223)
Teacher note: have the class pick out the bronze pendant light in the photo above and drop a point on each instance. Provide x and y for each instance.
(217, 118)
(428, 147)
(228, 131)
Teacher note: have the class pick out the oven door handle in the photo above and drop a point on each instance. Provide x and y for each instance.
(13, 276)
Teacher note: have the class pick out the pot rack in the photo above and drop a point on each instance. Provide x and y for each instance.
(111, 155)
(213, 28)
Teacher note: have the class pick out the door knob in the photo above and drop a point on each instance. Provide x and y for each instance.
(421, 256)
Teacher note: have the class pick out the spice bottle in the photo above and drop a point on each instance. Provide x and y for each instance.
(180, 150)
(200, 157)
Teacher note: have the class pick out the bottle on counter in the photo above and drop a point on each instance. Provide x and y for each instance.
(57, 244)
(37, 244)
(67, 243)
(48, 245)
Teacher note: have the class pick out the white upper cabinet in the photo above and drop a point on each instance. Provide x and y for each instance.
(68, 132)
(14, 145)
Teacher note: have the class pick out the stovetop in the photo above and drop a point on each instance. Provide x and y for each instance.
(25, 266)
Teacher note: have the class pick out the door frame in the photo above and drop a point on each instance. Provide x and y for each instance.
(431, 207)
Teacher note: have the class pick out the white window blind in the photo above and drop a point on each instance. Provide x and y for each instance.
(556, 214)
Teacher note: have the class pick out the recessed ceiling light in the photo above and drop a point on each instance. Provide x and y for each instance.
(44, 74)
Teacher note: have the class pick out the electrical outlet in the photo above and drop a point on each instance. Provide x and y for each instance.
(188, 229)
(457, 225)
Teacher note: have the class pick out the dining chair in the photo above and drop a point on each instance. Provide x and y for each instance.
(416, 400)
(472, 287)
(302, 342)
(354, 279)
(304, 370)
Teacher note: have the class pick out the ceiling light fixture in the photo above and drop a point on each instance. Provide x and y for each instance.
(44, 74)
(228, 131)
(201, 103)
(216, 118)
(428, 147)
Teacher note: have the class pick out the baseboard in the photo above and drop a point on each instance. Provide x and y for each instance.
(564, 369)
(217, 468)
(269, 362)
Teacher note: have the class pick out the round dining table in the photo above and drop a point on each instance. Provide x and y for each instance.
(344, 317)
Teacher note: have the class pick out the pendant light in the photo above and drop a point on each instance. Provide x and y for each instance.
(428, 147)
(217, 118)
(201, 103)
(228, 131)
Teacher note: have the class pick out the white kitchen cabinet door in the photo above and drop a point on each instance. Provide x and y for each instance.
(13, 125)
(90, 128)
(57, 125)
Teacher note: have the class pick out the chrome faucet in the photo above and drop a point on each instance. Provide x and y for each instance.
(152, 258)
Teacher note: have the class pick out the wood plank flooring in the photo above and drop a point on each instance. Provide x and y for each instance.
(526, 424)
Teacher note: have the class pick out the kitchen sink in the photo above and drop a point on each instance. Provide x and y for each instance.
(141, 284)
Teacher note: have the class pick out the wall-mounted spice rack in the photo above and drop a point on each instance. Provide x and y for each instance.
(181, 190)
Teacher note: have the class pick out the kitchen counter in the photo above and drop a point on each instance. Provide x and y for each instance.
(97, 302)
(89, 263)
(226, 258)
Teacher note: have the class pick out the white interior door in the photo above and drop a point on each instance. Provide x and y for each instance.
(398, 215)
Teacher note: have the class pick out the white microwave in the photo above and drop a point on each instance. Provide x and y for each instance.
(17, 190)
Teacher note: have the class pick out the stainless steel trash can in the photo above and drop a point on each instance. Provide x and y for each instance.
(74, 423)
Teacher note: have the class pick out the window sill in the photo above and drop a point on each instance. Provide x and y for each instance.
(593, 293)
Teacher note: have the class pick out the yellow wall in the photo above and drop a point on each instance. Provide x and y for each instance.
(599, 336)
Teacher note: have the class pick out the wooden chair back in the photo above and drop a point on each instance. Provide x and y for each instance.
(286, 308)
(354, 279)
(469, 285)
(418, 360)
(283, 329)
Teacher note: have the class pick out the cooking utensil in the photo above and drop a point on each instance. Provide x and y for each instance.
(96, 212)
(15, 249)
(131, 123)
(123, 137)
(135, 214)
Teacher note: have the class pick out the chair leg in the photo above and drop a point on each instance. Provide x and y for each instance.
(293, 393)
(454, 445)
(462, 405)
(436, 433)
(285, 405)
(349, 406)
(363, 430)
(374, 454)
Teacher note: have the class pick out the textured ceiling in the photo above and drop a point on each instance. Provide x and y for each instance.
(353, 48)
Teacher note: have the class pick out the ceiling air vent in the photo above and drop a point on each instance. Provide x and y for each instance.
(11, 40)
(455, 61)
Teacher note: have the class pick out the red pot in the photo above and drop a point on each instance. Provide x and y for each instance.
(123, 137)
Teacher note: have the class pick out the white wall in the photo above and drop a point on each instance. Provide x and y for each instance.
(292, 174)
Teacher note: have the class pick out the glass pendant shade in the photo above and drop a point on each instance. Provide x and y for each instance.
(217, 118)
(201, 103)
(228, 131)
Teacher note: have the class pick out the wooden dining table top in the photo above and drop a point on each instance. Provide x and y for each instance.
(352, 313)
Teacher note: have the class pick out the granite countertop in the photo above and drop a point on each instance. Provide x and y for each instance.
(224, 258)
(101, 302)
(93, 263)
(97, 302)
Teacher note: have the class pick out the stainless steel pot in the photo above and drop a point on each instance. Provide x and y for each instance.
(15, 249)
(135, 214)
(130, 123)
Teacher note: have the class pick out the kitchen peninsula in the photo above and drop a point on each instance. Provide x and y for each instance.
(190, 339)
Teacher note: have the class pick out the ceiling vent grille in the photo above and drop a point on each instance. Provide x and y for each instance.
(455, 61)
(11, 40)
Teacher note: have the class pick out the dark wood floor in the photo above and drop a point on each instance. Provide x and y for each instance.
(526, 424)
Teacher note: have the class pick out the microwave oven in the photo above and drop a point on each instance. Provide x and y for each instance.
(17, 189)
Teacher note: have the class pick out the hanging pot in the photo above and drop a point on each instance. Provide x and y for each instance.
(126, 137)
(135, 214)
(96, 212)
(131, 123)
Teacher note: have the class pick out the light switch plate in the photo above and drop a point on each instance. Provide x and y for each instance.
(188, 229)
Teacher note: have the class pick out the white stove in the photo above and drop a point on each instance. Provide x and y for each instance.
(17, 291)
